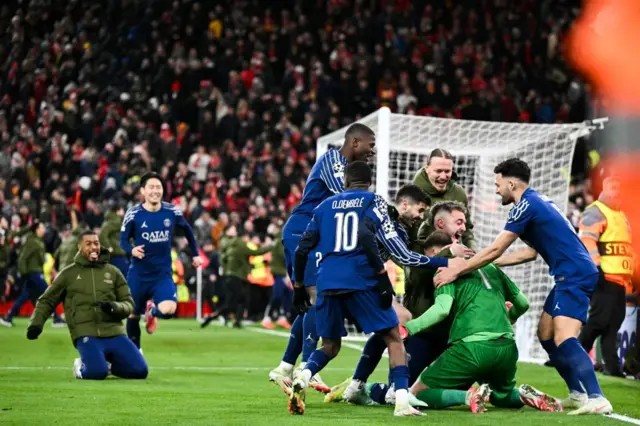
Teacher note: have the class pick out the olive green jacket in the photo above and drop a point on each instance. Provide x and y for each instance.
(66, 252)
(419, 297)
(277, 265)
(110, 234)
(238, 264)
(5, 249)
(454, 192)
(32, 255)
(81, 287)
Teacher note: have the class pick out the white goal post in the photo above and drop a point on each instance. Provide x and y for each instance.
(403, 143)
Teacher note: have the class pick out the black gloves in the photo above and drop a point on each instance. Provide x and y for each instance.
(386, 290)
(301, 301)
(33, 332)
(393, 213)
(107, 307)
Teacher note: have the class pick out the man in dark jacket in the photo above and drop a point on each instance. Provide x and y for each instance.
(110, 238)
(96, 299)
(238, 267)
(436, 180)
(31, 271)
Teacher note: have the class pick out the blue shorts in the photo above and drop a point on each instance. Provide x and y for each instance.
(362, 306)
(571, 299)
(158, 289)
(311, 272)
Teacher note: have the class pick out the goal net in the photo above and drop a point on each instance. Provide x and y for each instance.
(403, 143)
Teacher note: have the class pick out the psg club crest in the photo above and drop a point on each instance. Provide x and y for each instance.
(107, 276)
(167, 223)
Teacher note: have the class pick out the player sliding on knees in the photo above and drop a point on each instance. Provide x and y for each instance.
(325, 180)
(412, 202)
(352, 281)
(481, 345)
(540, 223)
(96, 299)
(151, 226)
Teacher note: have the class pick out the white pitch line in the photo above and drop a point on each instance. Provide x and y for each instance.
(171, 368)
(622, 418)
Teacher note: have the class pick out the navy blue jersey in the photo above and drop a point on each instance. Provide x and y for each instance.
(540, 223)
(337, 232)
(154, 230)
(393, 245)
(325, 179)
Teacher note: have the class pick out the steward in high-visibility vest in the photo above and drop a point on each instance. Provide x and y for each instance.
(605, 232)
(260, 273)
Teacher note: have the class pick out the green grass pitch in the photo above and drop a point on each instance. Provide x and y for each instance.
(219, 376)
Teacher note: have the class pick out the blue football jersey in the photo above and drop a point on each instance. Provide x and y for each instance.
(344, 265)
(154, 230)
(325, 179)
(394, 245)
(540, 224)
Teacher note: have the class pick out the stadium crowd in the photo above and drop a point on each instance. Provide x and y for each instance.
(226, 99)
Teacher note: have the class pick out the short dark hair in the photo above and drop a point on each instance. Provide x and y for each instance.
(358, 171)
(150, 175)
(357, 130)
(437, 239)
(85, 233)
(34, 226)
(439, 153)
(514, 168)
(413, 193)
(447, 206)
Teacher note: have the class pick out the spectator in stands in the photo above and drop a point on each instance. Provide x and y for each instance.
(226, 100)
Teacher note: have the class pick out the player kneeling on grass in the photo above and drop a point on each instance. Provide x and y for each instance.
(96, 299)
(352, 281)
(482, 347)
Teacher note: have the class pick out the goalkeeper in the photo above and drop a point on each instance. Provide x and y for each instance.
(482, 347)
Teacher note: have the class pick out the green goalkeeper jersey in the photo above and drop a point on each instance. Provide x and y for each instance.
(478, 302)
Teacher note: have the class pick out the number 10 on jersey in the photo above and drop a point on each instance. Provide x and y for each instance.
(346, 231)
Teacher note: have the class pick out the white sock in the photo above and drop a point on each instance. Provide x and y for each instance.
(356, 385)
(306, 373)
(285, 366)
(402, 397)
(302, 365)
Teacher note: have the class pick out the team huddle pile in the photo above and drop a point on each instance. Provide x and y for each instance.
(335, 243)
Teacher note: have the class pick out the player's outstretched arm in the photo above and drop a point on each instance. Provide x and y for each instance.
(46, 305)
(332, 173)
(483, 258)
(517, 257)
(182, 223)
(401, 253)
(436, 313)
